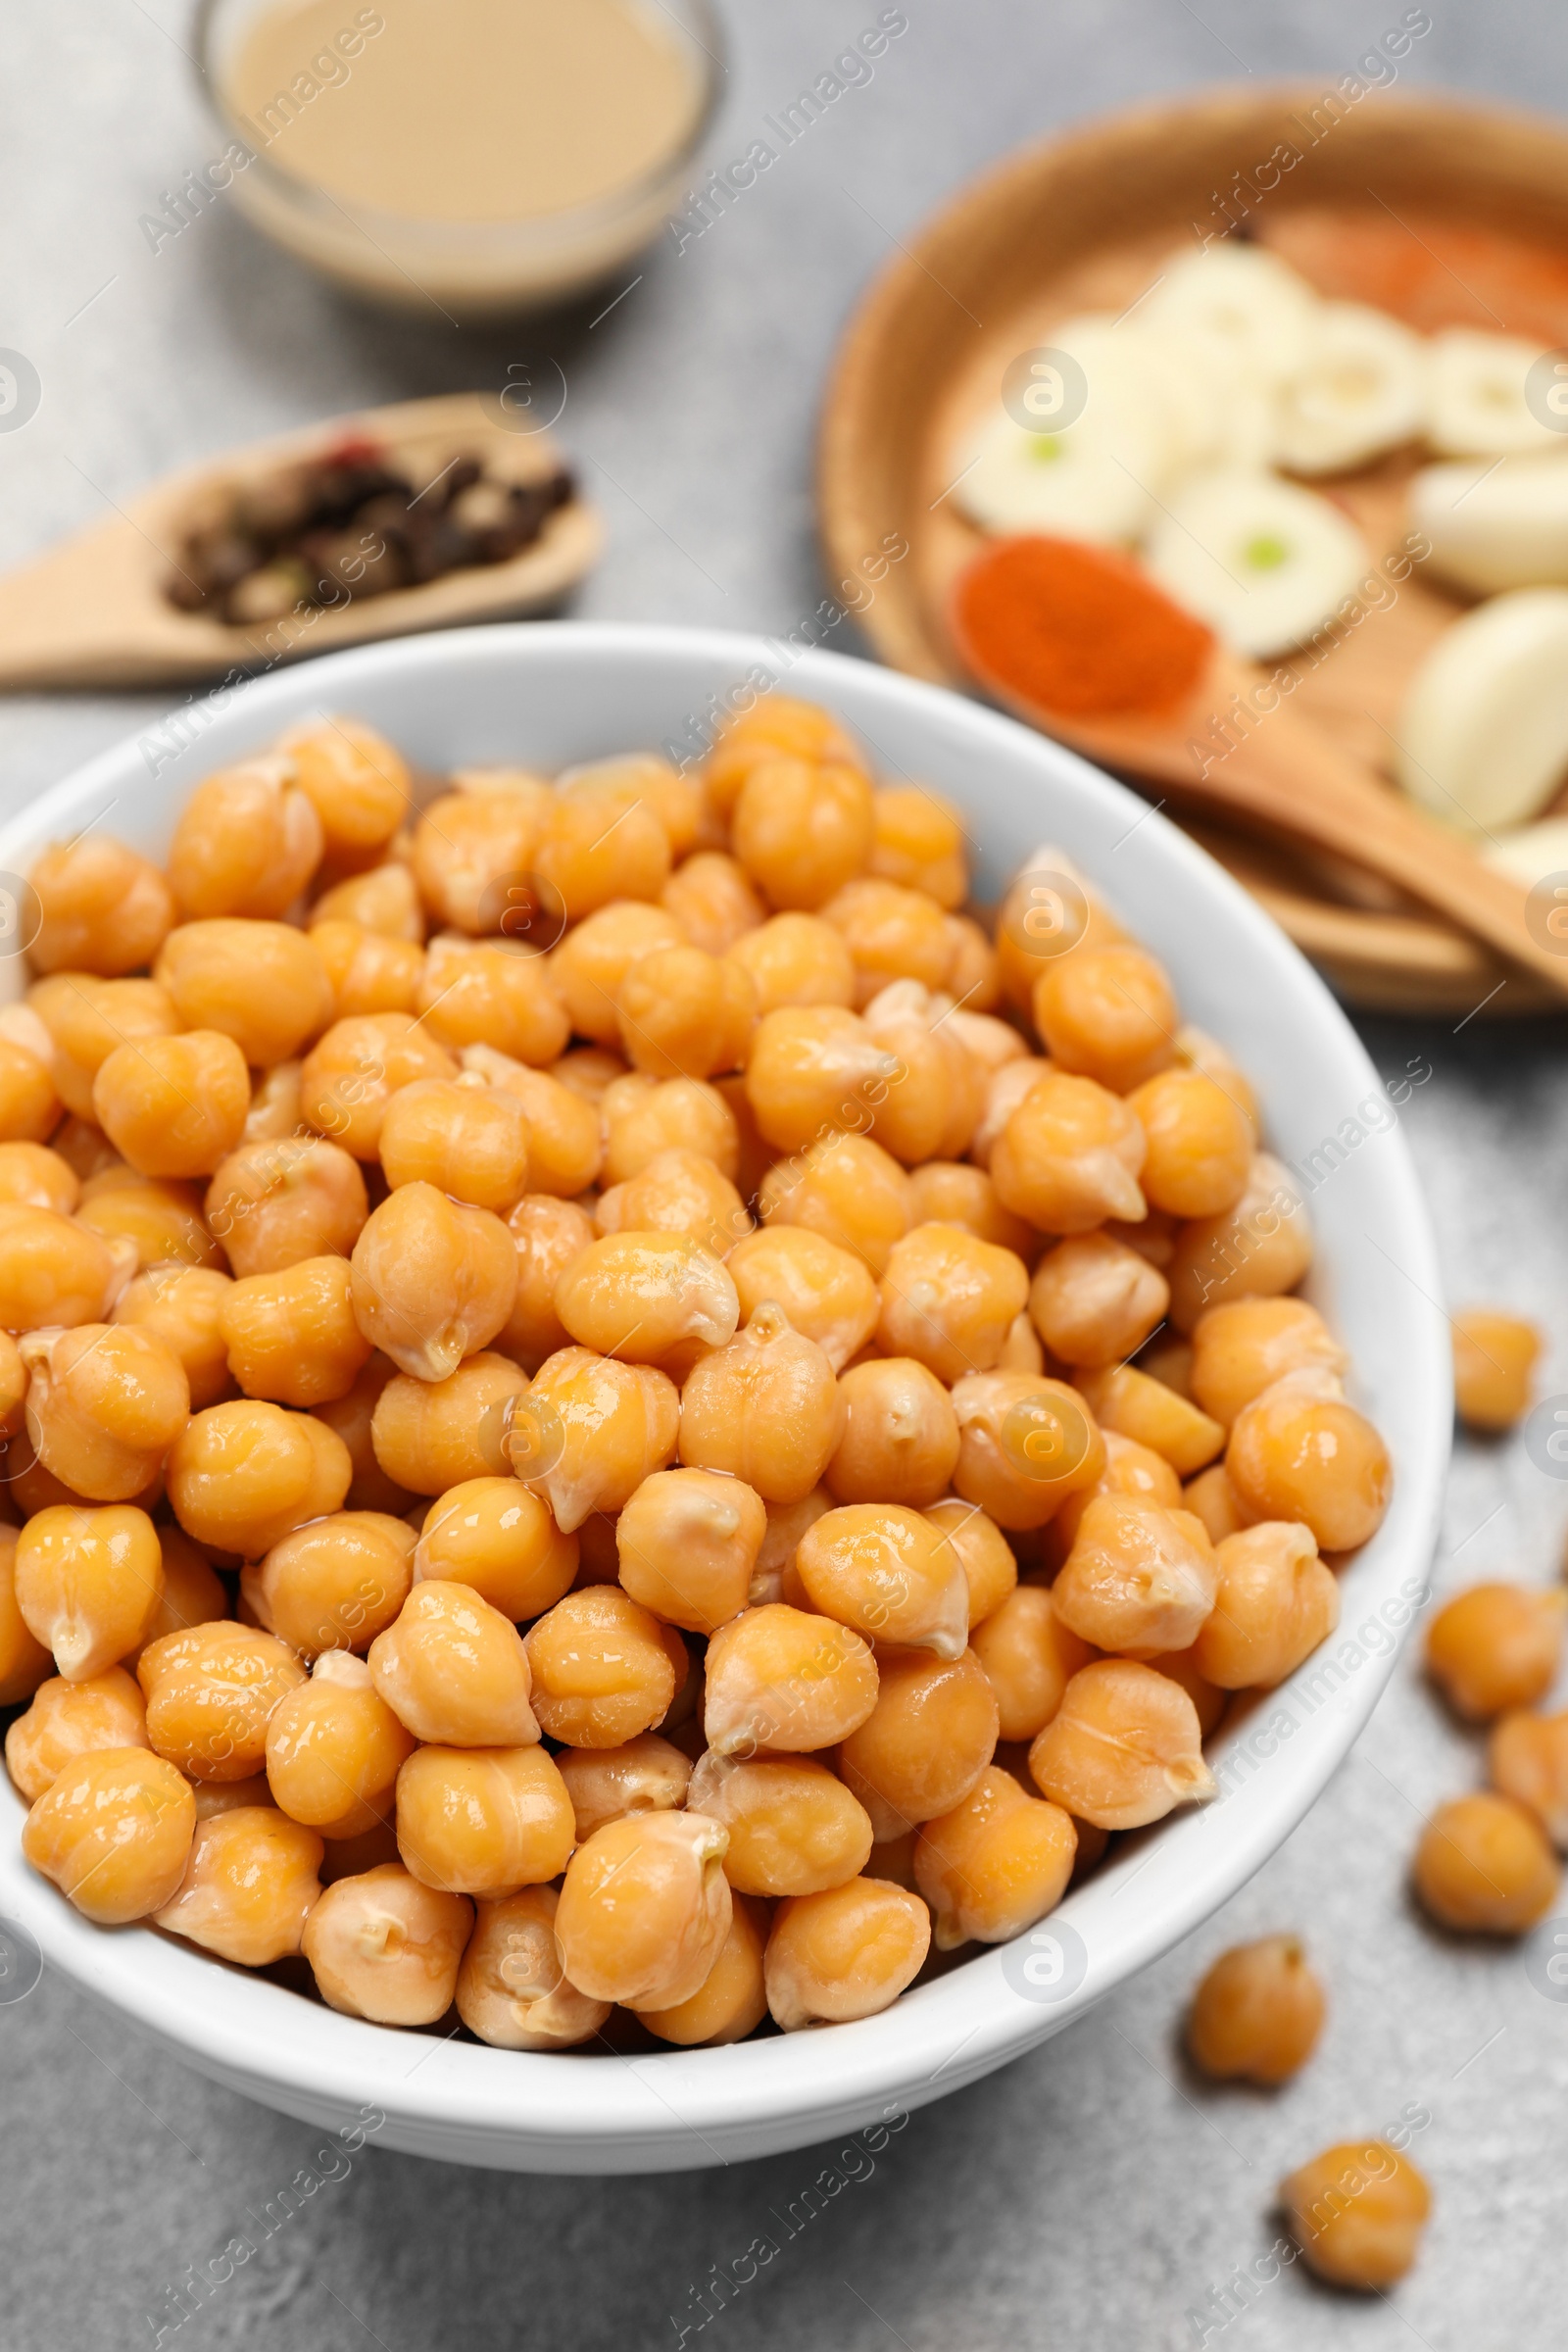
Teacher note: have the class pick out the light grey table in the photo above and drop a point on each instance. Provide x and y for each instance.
(1093, 2195)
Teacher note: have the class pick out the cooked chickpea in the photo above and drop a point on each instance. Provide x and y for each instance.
(776, 725)
(1527, 1759)
(37, 1178)
(467, 848)
(645, 1909)
(589, 965)
(366, 970)
(29, 1107)
(887, 1572)
(1257, 1249)
(351, 1074)
(292, 1336)
(901, 1435)
(1258, 2013)
(352, 1418)
(713, 900)
(548, 1234)
(919, 843)
(677, 802)
(1135, 1405)
(1093, 1301)
(1201, 1144)
(264, 985)
(795, 959)
(1496, 1647)
(485, 992)
(984, 1553)
(1025, 1444)
(1139, 1578)
(787, 1523)
(949, 1299)
(249, 1885)
(1241, 1349)
(826, 1291)
(793, 1828)
(644, 1775)
(174, 1105)
(241, 1475)
(1068, 1155)
(1130, 1469)
(1107, 1013)
(599, 842)
(24, 1660)
(946, 1191)
(812, 1068)
(590, 1430)
(1028, 1655)
(66, 1719)
(334, 1749)
(1274, 1603)
(352, 1857)
(639, 1296)
(1493, 1360)
(846, 1953)
(432, 1281)
(355, 780)
(926, 1742)
(891, 933)
(274, 1111)
(81, 1021)
(247, 843)
(512, 1990)
(678, 1191)
(604, 1668)
(192, 1592)
(1122, 1748)
(453, 1671)
(685, 1013)
(687, 1542)
(160, 1217)
(765, 1408)
(801, 830)
(113, 1831)
(589, 1071)
(464, 1136)
(105, 1402)
(936, 1089)
(732, 1998)
(86, 1582)
(483, 1822)
(102, 908)
(1299, 1451)
(211, 1691)
(274, 1204)
(849, 1191)
(1357, 2212)
(1483, 1866)
(494, 1535)
(995, 1864)
(384, 900)
(384, 1948)
(335, 1584)
(1008, 1083)
(780, 1678)
(1212, 1498)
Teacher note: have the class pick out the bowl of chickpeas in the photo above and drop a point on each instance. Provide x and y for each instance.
(718, 1387)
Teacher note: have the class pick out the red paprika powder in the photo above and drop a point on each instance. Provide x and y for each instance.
(1076, 629)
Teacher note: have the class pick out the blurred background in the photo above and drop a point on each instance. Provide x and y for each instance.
(1095, 2193)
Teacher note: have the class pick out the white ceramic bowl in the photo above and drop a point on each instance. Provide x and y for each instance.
(549, 695)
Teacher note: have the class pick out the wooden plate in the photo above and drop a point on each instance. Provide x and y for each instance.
(1460, 217)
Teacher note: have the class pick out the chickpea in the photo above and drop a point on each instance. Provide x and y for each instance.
(945, 1192)
(432, 1282)
(512, 1990)
(86, 1582)
(113, 1831)
(1299, 1451)
(1483, 1867)
(351, 1074)
(685, 1013)
(1275, 1603)
(1107, 1013)
(367, 972)
(356, 783)
(787, 1523)
(887, 1572)
(105, 1402)
(1357, 2212)
(589, 965)
(765, 1408)
(901, 1436)
(732, 1999)
(1201, 1144)
(548, 1235)
(994, 1865)
(892, 934)
(589, 1071)
(1025, 1444)
(1028, 1655)
(645, 1909)
(264, 985)
(249, 1885)
(353, 1857)
(211, 1691)
(453, 1671)
(384, 900)
(1093, 1301)
(1257, 1249)
(247, 843)
(601, 842)
(814, 1068)
(849, 1191)
(483, 1822)
(687, 1542)
(1139, 1578)
(241, 1475)
(639, 1296)
(713, 900)
(846, 1953)
(678, 1191)
(276, 1203)
(919, 843)
(1122, 1748)
(643, 1118)
(102, 908)
(949, 1299)
(292, 1336)
(334, 1749)
(160, 1217)
(492, 1534)
(1527, 1760)
(1069, 1155)
(780, 1678)
(174, 1105)
(274, 1111)
(1493, 1359)
(192, 1594)
(384, 1948)
(677, 802)
(1496, 1647)
(644, 1775)
(1129, 1401)
(493, 994)
(793, 1828)
(29, 1107)
(803, 830)
(467, 847)
(973, 982)
(1168, 1358)
(776, 725)
(566, 1149)
(1212, 1498)
(469, 1140)
(590, 1430)
(1007, 1084)
(826, 1291)
(37, 1178)
(24, 1660)
(926, 1742)
(1130, 1469)
(1241, 1349)
(1258, 2014)
(352, 1419)
(335, 1584)
(795, 959)
(936, 1089)
(66, 1719)
(604, 1668)
(984, 1554)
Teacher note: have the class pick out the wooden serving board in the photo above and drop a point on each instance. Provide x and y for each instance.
(1441, 213)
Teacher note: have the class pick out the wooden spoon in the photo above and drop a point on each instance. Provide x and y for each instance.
(1286, 774)
(93, 611)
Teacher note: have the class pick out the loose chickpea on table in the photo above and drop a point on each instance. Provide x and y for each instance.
(598, 1465)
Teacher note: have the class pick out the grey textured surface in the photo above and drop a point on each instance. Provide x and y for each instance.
(1095, 2193)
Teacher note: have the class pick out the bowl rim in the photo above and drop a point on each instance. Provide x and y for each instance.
(686, 2109)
